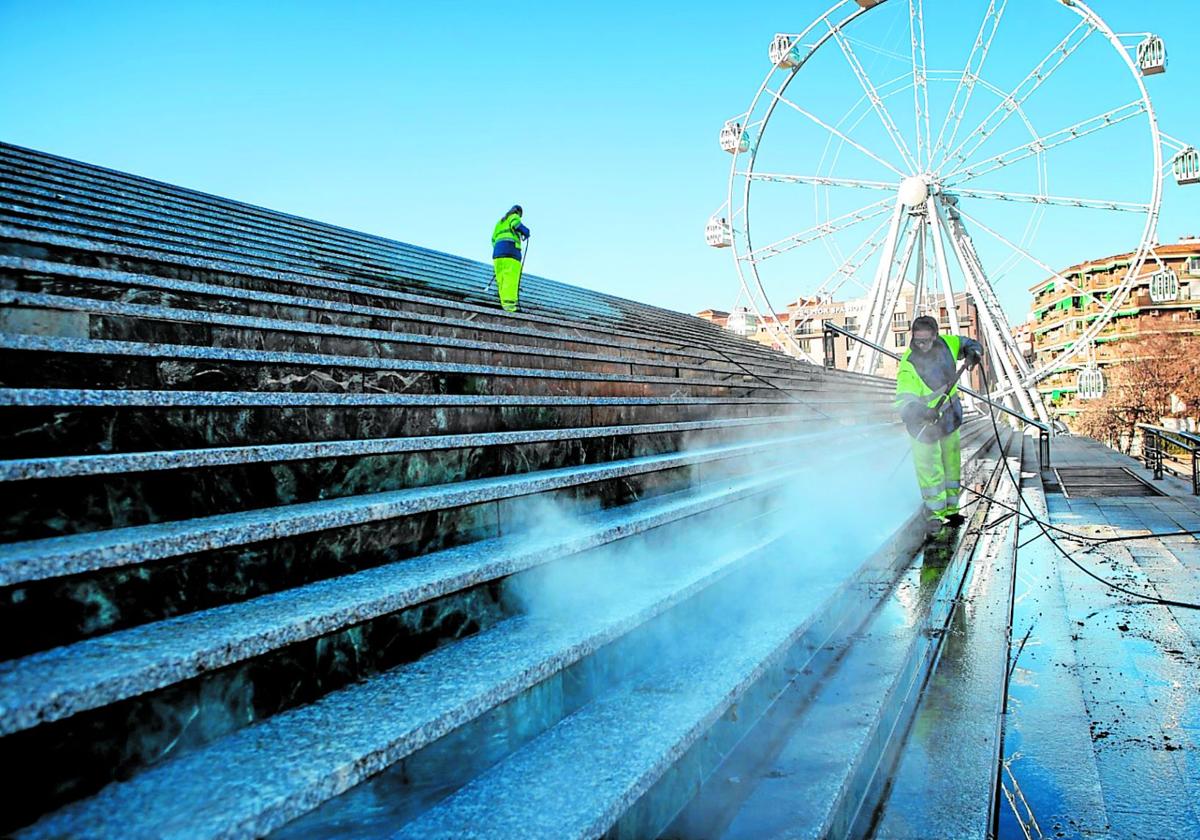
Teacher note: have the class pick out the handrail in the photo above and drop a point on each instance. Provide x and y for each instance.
(1153, 439)
(1044, 431)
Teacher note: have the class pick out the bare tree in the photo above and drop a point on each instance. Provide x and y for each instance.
(1139, 389)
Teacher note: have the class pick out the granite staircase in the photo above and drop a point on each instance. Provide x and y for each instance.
(303, 535)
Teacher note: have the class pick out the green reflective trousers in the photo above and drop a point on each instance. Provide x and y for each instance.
(508, 281)
(939, 474)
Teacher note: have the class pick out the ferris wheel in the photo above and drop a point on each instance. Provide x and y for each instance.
(876, 173)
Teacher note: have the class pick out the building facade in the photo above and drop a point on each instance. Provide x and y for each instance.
(1164, 299)
(805, 319)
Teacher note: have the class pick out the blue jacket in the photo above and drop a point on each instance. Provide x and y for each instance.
(922, 376)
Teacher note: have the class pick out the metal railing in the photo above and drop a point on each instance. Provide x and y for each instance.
(1157, 442)
(1044, 431)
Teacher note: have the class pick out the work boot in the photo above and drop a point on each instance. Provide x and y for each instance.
(955, 519)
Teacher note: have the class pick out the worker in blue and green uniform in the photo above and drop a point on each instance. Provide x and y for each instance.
(506, 256)
(927, 369)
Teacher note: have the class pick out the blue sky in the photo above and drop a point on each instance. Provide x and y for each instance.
(424, 123)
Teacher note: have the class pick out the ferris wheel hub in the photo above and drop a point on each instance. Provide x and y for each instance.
(914, 191)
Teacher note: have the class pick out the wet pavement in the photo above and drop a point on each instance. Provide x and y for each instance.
(1103, 721)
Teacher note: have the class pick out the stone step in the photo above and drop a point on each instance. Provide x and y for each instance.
(538, 294)
(76, 253)
(50, 361)
(298, 304)
(75, 317)
(321, 246)
(626, 761)
(62, 682)
(61, 589)
(260, 777)
(75, 494)
(105, 708)
(37, 422)
(945, 783)
(591, 304)
(818, 767)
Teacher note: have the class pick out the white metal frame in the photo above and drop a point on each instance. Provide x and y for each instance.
(934, 237)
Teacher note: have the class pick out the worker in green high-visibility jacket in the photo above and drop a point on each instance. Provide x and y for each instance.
(927, 369)
(507, 237)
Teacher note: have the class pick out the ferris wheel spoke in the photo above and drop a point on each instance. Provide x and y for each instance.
(1055, 200)
(834, 131)
(848, 270)
(815, 232)
(1041, 144)
(1022, 252)
(966, 82)
(885, 117)
(1024, 89)
(819, 180)
(916, 10)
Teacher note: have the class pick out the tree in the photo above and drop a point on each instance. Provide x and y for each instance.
(1140, 387)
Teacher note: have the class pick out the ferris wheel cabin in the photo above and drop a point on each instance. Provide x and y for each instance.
(733, 138)
(718, 232)
(785, 51)
(1186, 166)
(1090, 383)
(1164, 286)
(868, 4)
(1152, 56)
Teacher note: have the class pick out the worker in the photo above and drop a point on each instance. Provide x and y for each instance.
(927, 371)
(506, 256)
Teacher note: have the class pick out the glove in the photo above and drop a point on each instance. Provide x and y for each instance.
(931, 415)
(972, 359)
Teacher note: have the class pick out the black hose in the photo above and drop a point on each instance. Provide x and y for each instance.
(1046, 527)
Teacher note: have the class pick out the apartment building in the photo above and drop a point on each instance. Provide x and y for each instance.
(1164, 299)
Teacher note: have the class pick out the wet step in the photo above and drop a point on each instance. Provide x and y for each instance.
(259, 778)
(77, 494)
(48, 423)
(945, 784)
(33, 361)
(818, 764)
(99, 710)
(627, 760)
(1049, 767)
(61, 589)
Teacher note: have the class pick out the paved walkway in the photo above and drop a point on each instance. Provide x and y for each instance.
(1103, 735)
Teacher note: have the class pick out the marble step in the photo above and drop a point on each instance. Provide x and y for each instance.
(538, 294)
(324, 246)
(624, 763)
(260, 777)
(297, 303)
(61, 589)
(945, 783)
(78, 252)
(818, 763)
(105, 708)
(58, 683)
(75, 317)
(38, 422)
(32, 361)
(652, 319)
(76, 494)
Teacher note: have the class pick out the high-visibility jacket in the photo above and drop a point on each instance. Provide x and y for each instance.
(921, 380)
(507, 235)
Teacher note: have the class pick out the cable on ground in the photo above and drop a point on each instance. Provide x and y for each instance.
(1047, 527)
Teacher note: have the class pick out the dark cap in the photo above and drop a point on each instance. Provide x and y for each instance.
(925, 323)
